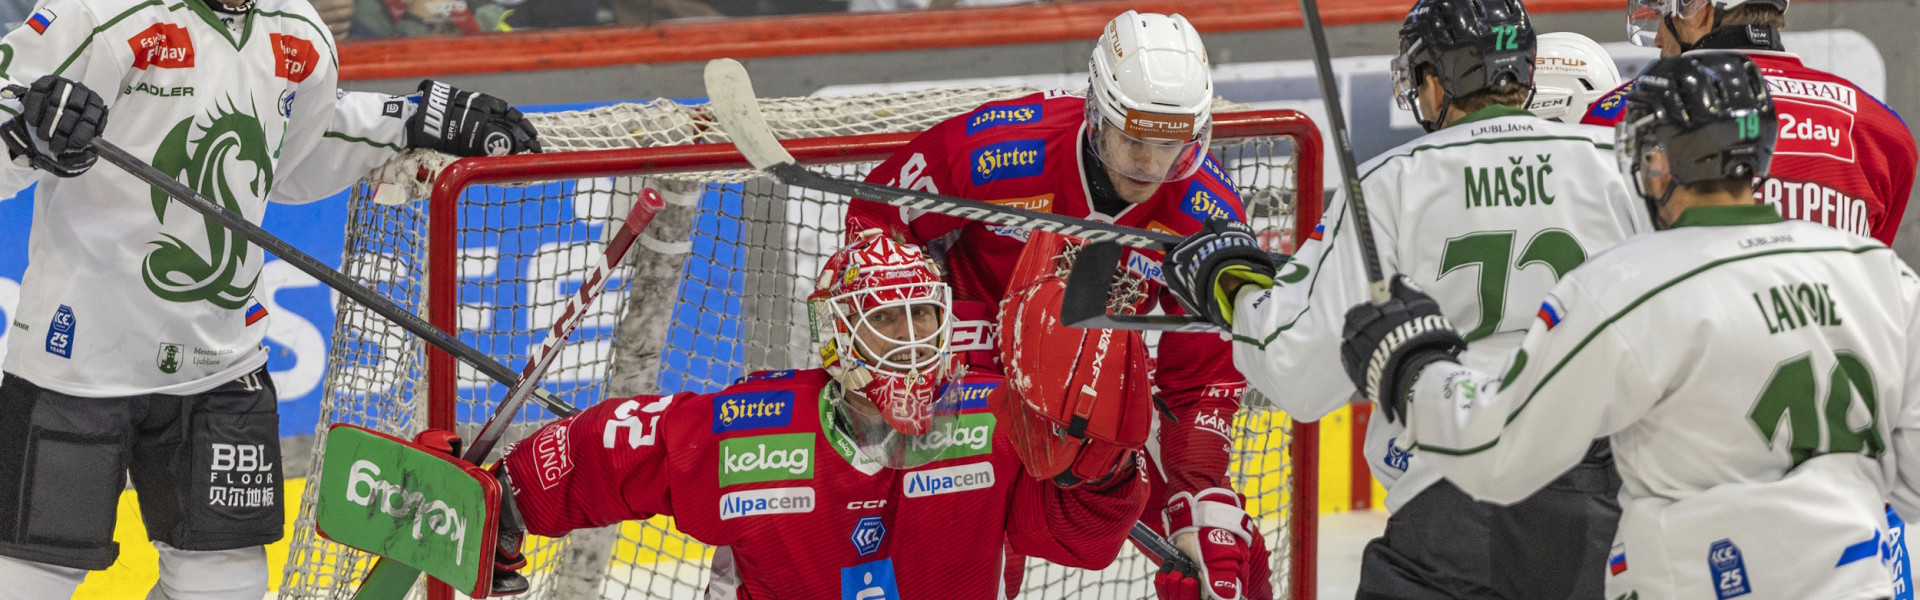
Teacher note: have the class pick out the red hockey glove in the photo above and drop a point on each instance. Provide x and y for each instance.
(1078, 402)
(1212, 528)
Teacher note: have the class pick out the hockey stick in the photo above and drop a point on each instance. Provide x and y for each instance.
(732, 101)
(311, 266)
(1343, 148)
(390, 579)
(1162, 549)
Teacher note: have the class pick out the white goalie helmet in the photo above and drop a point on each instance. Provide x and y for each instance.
(1646, 17)
(1150, 96)
(1570, 71)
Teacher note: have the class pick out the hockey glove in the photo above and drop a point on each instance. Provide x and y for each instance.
(55, 129)
(507, 558)
(1205, 270)
(1386, 345)
(1211, 528)
(468, 124)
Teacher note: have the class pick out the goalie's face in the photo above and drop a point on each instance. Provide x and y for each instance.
(881, 315)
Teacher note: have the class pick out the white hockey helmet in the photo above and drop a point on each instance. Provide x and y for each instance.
(1646, 17)
(1149, 101)
(1569, 71)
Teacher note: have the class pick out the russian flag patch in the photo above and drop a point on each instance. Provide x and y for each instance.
(41, 20)
(1551, 313)
(1618, 563)
(1319, 231)
(255, 313)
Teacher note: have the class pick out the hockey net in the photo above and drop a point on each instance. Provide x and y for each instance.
(714, 291)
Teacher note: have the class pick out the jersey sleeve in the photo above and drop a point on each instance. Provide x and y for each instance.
(1501, 437)
(1904, 471)
(605, 465)
(1287, 339)
(1080, 527)
(1897, 161)
(64, 45)
(922, 165)
(1195, 377)
(334, 138)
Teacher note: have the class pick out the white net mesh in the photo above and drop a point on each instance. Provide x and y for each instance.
(713, 292)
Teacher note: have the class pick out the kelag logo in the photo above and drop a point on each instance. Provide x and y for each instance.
(1007, 160)
(990, 117)
(766, 458)
(740, 412)
(966, 435)
(1203, 204)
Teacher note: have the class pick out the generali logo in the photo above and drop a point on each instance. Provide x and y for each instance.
(164, 45)
(294, 58)
(1159, 126)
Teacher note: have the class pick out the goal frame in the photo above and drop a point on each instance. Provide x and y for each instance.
(443, 279)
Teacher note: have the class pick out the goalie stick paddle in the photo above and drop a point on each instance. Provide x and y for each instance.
(311, 266)
(390, 579)
(1343, 148)
(732, 101)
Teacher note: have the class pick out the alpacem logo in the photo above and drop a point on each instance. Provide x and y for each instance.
(754, 503)
(932, 482)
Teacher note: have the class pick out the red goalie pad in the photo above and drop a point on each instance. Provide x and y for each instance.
(1078, 400)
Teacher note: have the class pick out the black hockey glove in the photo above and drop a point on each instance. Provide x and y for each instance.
(57, 123)
(468, 124)
(1195, 267)
(1386, 345)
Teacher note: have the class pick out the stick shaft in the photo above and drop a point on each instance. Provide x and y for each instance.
(308, 264)
(1343, 148)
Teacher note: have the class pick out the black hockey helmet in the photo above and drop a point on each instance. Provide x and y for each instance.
(1471, 45)
(1707, 114)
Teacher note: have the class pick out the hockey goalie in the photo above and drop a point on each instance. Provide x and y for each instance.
(887, 473)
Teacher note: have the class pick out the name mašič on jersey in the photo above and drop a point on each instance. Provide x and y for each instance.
(1027, 152)
(797, 511)
(1757, 380)
(1484, 215)
(1843, 159)
(126, 292)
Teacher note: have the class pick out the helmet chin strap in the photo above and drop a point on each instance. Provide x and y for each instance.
(1439, 122)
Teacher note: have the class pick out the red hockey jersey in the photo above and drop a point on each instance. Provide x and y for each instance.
(1026, 152)
(796, 511)
(1843, 158)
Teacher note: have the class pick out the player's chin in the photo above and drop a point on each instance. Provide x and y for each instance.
(1135, 191)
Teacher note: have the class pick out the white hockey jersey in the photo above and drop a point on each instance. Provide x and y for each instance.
(1758, 379)
(1485, 215)
(126, 292)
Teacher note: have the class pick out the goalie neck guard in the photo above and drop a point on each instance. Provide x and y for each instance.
(1150, 98)
(1693, 118)
(881, 318)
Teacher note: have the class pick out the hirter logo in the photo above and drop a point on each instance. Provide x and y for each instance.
(164, 45)
(294, 58)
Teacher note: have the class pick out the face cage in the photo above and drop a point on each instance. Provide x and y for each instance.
(1631, 154)
(1182, 158)
(1405, 90)
(933, 345)
(1645, 18)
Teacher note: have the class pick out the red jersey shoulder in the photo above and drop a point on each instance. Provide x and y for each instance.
(1607, 110)
(763, 402)
(1010, 144)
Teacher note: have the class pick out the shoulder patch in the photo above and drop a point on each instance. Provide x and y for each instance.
(972, 395)
(1610, 105)
(1204, 203)
(767, 376)
(995, 115)
(1009, 160)
(752, 410)
(1551, 312)
(41, 20)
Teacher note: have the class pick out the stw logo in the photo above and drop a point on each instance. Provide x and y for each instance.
(294, 58)
(164, 45)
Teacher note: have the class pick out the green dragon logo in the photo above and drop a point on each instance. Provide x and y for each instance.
(230, 150)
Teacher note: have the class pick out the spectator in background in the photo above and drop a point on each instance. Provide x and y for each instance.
(338, 15)
(409, 18)
(887, 5)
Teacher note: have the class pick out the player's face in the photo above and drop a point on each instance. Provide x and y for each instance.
(1138, 157)
(886, 331)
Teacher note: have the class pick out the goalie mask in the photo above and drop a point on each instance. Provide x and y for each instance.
(1692, 118)
(881, 318)
(1150, 98)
